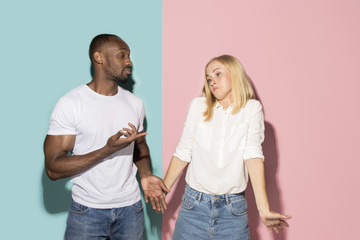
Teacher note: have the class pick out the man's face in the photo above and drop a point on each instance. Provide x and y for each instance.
(116, 60)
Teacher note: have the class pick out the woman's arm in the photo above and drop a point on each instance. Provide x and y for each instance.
(175, 169)
(272, 220)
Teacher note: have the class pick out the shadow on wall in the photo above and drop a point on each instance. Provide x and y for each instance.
(173, 204)
(270, 150)
(56, 197)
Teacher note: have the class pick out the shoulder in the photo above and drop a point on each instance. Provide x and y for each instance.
(132, 99)
(75, 94)
(253, 104)
(129, 95)
(198, 102)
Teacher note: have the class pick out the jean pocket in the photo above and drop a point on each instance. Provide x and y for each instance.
(138, 206)
(77, 208)
(238, 207)
(188, 202)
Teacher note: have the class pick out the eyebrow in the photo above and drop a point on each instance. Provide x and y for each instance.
(212, 71)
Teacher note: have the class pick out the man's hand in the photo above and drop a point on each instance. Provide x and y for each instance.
(274, 220)
(115, 142)
(154, 188)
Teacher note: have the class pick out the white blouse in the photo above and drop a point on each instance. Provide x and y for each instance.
(216, 149)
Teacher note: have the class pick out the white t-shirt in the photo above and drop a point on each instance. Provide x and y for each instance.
(216, 149)
(93, 118)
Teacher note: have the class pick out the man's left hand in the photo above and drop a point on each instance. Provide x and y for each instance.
(154, 188)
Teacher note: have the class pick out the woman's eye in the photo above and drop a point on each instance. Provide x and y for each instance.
(208, 80)
(217, 74)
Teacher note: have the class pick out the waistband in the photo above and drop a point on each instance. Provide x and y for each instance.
(200, 196)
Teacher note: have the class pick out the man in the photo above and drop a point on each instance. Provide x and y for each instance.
(101, 124)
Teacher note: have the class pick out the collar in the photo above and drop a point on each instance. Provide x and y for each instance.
(218, 105)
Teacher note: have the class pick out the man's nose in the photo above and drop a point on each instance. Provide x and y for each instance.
(129, 62)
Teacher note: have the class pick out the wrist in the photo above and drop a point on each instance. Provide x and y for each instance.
(263, 210)
(145, 174)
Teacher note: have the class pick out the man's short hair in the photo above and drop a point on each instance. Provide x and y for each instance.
(97, 42)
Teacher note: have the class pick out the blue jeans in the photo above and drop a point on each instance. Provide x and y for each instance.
(116, 223)
(206, 216)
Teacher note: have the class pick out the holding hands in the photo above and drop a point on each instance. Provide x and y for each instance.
(154, 189)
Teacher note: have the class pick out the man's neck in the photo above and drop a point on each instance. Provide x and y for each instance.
(107, 88)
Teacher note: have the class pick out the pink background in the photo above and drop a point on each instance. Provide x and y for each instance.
(303, 58)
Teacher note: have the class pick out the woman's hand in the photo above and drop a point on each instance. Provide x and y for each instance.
(274, 221)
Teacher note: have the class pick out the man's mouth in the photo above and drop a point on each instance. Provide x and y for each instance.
(128, 70)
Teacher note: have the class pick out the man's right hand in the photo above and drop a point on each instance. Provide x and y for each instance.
(59, 165)
(116, 142)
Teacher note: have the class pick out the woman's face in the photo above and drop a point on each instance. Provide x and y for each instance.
(219, 81)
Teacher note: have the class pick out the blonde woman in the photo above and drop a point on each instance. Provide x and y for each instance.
(221, 143)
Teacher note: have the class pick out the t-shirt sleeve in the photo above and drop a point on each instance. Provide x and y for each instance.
(62, 119)
(184, 147)
(256, 136)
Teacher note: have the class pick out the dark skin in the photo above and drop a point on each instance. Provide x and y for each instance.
(111, 64)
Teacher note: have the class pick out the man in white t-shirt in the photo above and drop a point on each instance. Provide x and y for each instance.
(101, 125)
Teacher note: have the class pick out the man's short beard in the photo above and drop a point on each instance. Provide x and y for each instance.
(121, 80)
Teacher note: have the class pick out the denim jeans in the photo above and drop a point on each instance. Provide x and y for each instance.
(116, 223)
(206, 216)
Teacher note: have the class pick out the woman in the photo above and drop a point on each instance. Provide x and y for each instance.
(221, 143)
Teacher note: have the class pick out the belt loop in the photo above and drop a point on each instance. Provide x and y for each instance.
(227, 199)
(199, 197)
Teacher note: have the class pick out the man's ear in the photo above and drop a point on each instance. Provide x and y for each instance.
(98, 58)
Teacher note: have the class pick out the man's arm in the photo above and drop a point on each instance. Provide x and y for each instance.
(59, 165)
(152, 185)
(272, 220)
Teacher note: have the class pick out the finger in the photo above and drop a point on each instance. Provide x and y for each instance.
(163, 202)
(118, 134)
(146, 197)
(282, 222)
(269, 229)
(164, 188)
(280, 227)
(158, 206)
(132, 127)
(153, 204)
(129, 131)
(282, 216)
(139, 135)
(275, 229)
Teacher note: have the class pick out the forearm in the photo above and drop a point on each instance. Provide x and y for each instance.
(62, 166)
(175, 168)
(142, 158)
(256, 171)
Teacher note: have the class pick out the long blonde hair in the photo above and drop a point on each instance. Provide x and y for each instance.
(241, 90)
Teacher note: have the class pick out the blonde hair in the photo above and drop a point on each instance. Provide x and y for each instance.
(241, 90)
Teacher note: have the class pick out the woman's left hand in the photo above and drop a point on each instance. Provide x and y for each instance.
(274, 221)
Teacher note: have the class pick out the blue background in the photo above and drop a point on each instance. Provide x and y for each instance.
(44, 54)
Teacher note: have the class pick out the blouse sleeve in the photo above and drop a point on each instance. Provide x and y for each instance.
(184, 147)
(256, 136)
